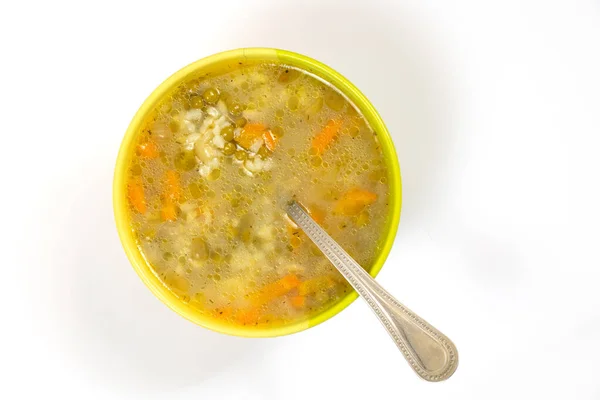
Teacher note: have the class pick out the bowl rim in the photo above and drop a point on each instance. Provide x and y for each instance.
(318, 69)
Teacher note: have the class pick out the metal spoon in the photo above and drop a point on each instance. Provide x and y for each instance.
(429, 352)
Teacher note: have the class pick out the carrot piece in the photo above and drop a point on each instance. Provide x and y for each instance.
(250, 134)
(276, 289)
(169, 211)
(289, 282)
(267, 294)
(135, 192)
(248, 316)
(270, 140)
(172, 186)
(326, 136)
(148, 149)
(317, 214)
(298, 301)
(354, 201)
(171, 195)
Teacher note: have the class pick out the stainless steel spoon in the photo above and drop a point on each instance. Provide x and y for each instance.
(429, 352)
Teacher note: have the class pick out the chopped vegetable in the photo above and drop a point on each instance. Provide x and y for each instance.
(241, 122)
(317, 214)
(250, 134)
(174, 126)
(270, 140)
(229, 149)
(236, 110)
(148, 149)
(135, 193)
(185, 160)
(171, 196)
(241, 155)
(211, 95)
(276, 289)
(172, 188)
(277, 131)
(227, 133)
(263, 152)
(362, 219)
(169, 211)
(326, 136)
(298, 301)
(248, 316)
(196, 102)
(354, 201)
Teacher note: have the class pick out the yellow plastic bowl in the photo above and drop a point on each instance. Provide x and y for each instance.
(220, 62)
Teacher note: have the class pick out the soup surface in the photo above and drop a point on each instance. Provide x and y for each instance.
(214, 166)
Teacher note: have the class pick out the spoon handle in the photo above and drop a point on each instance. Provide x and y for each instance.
(429, 352)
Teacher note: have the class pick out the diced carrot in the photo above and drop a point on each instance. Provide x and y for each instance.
(247, 316)
(276, 289)
(289, 282)
(354, 201)
(169, 211)
(270, 140)
(317, 214)
(326, 136)
(172, 186)
(298, 301)
(250, 134)
(135, 192)
(171, 196)
(148, 149)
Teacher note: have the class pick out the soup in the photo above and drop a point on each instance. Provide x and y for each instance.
(215, 164)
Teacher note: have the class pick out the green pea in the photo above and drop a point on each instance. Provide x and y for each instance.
(263, 152)
(174, 126)
(241, 155)
(186, 160)
(235, 110)
(214, 174)
(229, 149)
(196, 102)
(241, 122)
(277, 131)
(211, 95)
(227, 133)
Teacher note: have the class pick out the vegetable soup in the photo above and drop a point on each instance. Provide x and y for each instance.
(216, 163)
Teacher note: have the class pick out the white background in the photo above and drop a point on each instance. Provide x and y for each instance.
(494, 107)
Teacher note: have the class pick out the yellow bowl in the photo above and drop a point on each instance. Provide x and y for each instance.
(220, 62)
